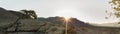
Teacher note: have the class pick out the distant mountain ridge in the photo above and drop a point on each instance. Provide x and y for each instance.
(60, 20)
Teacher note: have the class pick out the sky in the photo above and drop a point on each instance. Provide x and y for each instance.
(92, 11)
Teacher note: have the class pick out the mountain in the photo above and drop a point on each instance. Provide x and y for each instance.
(73, 23)
(61, 21)
(76, 26)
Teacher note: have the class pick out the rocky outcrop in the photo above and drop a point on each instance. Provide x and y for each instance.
(6, 19)
(26, 25)
(29, 25)
(34, 26)
(12, 24)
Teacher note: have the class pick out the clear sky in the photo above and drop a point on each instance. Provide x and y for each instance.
(92, 11)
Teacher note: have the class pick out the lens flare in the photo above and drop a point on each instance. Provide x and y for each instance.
(66, 23)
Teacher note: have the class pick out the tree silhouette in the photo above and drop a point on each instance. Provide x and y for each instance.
(30, 13)
(24, 14)
(116, 6)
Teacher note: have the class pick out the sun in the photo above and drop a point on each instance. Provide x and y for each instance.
(67, 13)
(67, 18)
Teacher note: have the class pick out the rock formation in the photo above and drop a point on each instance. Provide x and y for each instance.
(12, 24)
(6, 19)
